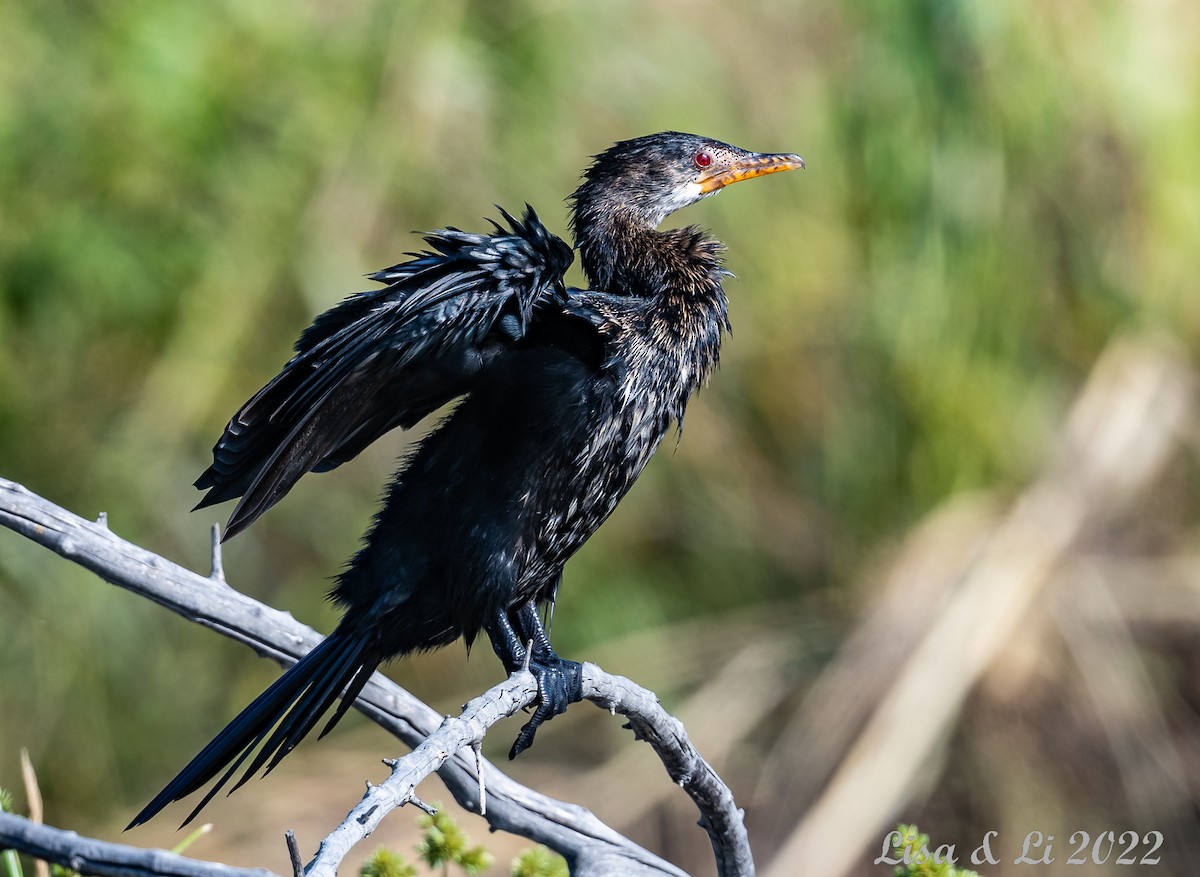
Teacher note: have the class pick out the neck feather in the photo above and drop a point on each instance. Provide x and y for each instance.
(623, 253)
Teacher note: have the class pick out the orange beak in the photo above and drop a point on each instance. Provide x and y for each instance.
(752, 164)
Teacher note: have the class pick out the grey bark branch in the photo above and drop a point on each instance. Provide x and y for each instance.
(453, 735)
(649, 721)
(591, 847)
(89, 856)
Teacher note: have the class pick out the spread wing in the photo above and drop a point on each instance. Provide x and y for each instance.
(388, 357)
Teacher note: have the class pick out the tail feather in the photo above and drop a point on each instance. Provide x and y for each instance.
(302, 716)
(148, 813)
(291, 706)
(353, 689)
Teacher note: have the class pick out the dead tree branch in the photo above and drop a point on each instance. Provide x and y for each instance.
(591, 847)
(88, 856)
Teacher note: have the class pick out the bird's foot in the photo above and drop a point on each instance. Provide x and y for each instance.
(560, 684)
(521, 643)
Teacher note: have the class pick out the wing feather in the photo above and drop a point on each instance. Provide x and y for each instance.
(387, 358)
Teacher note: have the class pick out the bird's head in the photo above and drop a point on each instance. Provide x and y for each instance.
(650, 177)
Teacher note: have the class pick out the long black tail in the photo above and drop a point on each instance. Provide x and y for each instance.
(344, 661)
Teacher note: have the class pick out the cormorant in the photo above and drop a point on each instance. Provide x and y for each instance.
(563, 393)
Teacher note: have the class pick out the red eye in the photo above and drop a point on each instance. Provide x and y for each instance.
(703, 159)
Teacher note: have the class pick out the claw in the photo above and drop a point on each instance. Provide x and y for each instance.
(560, 684)
(521, 643)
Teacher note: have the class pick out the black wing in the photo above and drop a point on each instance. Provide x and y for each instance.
(387, 358)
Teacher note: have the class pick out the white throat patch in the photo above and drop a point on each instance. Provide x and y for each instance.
(689, 193)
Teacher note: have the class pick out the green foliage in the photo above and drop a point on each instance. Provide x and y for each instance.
(914, 847)
(182, 847)
(538, 861)
(445, 842)
(386, 863)
(10, 864)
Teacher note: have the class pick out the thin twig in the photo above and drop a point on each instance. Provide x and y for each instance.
(294, 856)
(478, 747)
(217, 569)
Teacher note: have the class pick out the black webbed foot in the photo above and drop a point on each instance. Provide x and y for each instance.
(521, 643)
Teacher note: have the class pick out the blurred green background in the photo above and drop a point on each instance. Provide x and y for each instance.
(993, 191)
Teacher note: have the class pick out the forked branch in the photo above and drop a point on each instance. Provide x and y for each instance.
(590, 846)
